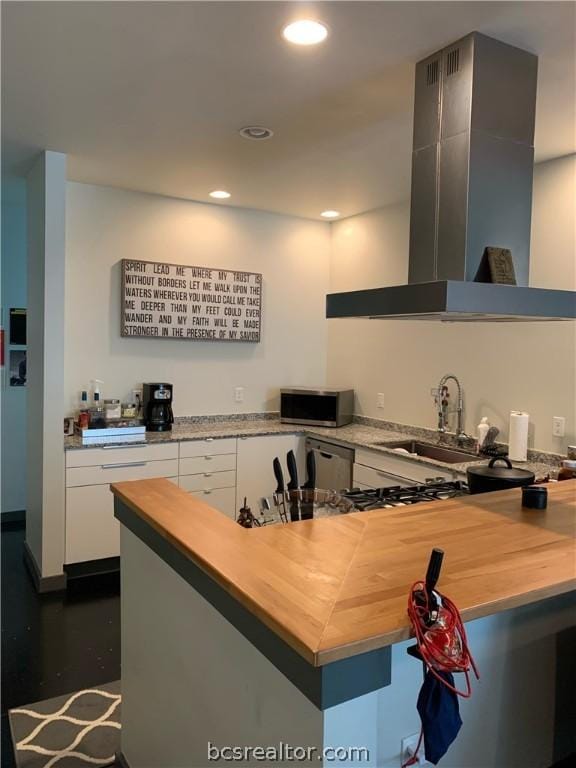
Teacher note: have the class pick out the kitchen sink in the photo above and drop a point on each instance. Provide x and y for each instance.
(430, 451)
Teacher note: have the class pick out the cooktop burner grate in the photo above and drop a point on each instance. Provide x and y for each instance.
(400, 496)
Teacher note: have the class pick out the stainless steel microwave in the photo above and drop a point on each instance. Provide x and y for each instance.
(320, 407)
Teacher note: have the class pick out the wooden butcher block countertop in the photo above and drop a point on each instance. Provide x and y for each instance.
(336, 587)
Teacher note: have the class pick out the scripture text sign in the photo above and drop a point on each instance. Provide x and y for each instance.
(173, 301)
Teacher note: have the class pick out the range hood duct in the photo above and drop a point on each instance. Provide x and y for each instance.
(472, 167)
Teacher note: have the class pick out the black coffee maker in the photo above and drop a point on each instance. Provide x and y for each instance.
(157, 407)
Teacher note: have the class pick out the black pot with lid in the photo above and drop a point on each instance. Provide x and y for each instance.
(490, 477)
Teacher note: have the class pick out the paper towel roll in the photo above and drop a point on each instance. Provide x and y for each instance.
(518, 435)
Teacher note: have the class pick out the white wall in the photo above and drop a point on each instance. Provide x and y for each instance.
(105, 225)
(46, 187)
(502, 367)
(13, 295)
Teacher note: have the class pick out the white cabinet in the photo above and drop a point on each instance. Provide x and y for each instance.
(120, 454)
(222, 499)
(378, 470)
(207, 468)
(208, 446)
(92, 531)
(118, 472)
(369, 477)
(254, 473)
(196, 465)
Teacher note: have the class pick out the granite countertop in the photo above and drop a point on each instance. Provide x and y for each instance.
(355, 435)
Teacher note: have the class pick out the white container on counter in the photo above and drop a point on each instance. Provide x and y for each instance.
(518, 436)
(482, 430)
(112, 409)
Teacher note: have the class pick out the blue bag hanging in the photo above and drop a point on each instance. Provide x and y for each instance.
(440, 714)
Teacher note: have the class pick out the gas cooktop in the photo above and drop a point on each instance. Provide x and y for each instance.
(400, 496)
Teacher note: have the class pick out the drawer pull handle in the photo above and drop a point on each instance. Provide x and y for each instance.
(126, 464)
(209, 439)
(209, 457)
(207, 474)
(207, 490)
(129, 445)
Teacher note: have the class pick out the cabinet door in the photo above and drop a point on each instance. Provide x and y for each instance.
(92, 531)
(254, 473)
(221, 499)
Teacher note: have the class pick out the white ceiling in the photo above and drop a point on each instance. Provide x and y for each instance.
(150, 96)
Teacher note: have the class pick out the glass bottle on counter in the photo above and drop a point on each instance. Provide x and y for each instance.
(83, 411)
(97, 412)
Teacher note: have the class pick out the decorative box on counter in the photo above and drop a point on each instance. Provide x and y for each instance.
(120, 431)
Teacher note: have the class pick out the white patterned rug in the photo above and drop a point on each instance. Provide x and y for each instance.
(71, 731)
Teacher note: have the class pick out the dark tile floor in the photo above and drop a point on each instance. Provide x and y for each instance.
(56, 643)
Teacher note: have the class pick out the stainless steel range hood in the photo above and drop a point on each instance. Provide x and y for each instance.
(472, 166)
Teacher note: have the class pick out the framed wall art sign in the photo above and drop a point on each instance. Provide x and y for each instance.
(176, 301)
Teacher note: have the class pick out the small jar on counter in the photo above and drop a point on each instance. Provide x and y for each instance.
(112, 409)
(129, 410)
(568, 470)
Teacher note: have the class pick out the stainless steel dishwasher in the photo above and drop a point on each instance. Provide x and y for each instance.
(333, 464)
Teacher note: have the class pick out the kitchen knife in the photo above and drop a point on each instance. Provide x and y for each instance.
(310, 471)
(280, 495)
(292, 487)
(279, 475)
(293, 471)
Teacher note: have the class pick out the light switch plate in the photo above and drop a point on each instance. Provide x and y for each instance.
(380, 400)
(239, 394)
(558, 426)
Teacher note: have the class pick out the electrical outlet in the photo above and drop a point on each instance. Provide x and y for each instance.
(239, 394)
(558, 426)
(408, 748)
(380, 400)
(137, 398)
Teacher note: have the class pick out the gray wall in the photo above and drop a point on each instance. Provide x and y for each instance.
(13, 295)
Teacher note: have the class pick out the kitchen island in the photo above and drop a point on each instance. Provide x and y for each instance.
(297, 633)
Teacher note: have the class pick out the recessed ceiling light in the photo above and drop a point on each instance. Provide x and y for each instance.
(330, 214)
(220, 194)
(305, 32)
(256, 132)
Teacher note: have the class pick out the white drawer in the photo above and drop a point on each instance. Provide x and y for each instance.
(222, 499)
(199, 464)
(118, 472)
(403, 468)
(209, 446)
(208, 481)
(376, 478)
(92, 457)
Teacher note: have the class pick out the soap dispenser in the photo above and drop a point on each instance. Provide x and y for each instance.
(482, 430)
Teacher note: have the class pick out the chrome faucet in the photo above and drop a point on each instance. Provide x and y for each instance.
(442, 407)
